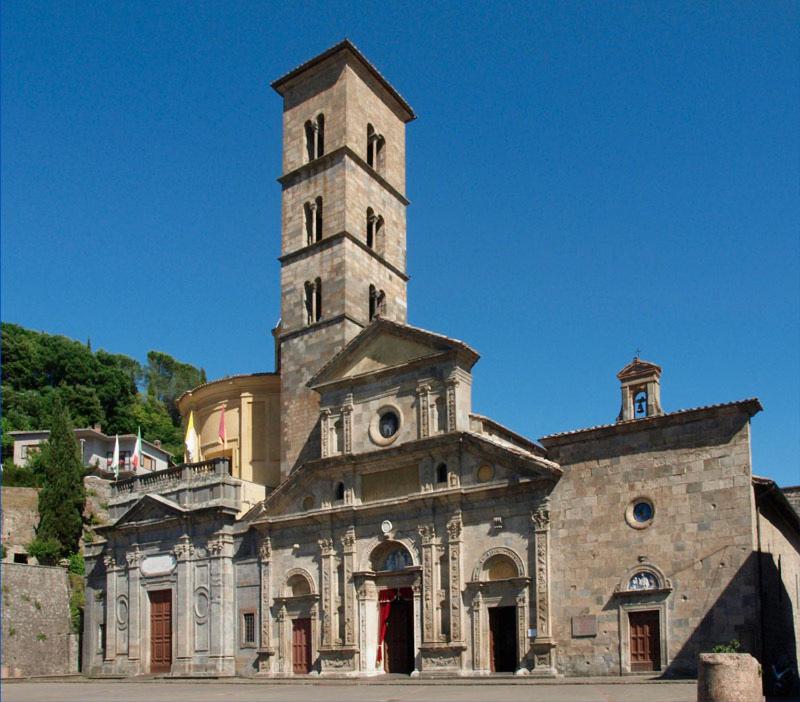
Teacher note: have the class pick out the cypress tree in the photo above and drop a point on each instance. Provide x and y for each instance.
(62, 496)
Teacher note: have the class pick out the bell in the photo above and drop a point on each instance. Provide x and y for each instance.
(640, 405)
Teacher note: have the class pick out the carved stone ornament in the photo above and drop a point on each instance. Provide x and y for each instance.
(215, 545)
(541, 517)
(265, 549)
(454, 527)
(184, 549)
(109, 562)
(133, 557)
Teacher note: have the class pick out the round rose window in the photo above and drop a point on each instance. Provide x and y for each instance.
(389, 424)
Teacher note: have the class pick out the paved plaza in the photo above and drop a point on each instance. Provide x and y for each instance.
(335, 691)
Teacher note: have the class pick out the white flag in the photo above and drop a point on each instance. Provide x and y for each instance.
(115, 459)
(191, 440)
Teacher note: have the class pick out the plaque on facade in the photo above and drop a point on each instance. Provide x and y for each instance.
(158, 565)
(386, 526)
(585, 625)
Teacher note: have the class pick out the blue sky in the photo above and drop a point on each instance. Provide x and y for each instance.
(586, 179)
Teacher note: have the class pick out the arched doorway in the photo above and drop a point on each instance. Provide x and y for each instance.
(395, 651)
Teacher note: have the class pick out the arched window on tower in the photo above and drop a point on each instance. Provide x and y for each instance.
(315, 137)
(313, 300)
(318, 220)
(377, 302)
(375, 149)
(374, 227)
(317, 299)
(313, 220)
(370, 228)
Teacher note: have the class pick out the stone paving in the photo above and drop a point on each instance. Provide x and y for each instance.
(397, 690)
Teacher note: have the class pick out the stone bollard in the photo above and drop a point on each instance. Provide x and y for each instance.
(729, 677)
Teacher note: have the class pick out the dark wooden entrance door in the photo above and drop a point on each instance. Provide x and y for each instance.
(645, 641)
(301, 646)
(503, 639)
(399, 641)
(160, 631)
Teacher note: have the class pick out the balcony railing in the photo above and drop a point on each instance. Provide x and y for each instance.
(164, 479)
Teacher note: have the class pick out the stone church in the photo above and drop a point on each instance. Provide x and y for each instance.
(350, 514)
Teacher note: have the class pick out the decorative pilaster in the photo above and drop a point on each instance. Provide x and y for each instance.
(134, 558)
(265, 647)
(184, 551)
(348, 594)
(477, 630)
(325, 432)
(543, 645)
(245, 437)
(221, 610)
(424, 410)
(347, 423)
(111, 605)
(328, 574)
(429, 588)
(451, 384)
(454, 530)
(284, 642)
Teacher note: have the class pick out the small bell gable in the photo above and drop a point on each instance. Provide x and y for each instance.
(641, 390)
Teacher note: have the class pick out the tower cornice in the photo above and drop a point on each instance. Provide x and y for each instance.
(323, 162)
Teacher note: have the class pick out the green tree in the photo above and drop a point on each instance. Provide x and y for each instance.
(168, 379)
(62, 496)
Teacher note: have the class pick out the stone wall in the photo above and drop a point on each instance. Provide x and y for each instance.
(696, 473)
(779, 573)
(37, 638)
(20, 515)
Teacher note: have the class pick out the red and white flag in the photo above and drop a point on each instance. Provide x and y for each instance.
(221, 431)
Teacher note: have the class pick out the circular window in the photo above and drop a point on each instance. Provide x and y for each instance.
(386, 425)
(308, 502)
(640, 513)
(485, 473)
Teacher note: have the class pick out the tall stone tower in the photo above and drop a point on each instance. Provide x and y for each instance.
(343, 254)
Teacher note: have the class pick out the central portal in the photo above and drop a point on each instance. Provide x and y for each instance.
(503, 639)
(397, 618)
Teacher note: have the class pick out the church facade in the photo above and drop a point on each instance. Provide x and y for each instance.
(356, 517)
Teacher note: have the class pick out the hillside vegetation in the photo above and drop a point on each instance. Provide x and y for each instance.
(114, 390)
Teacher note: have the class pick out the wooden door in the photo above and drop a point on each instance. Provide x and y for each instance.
(301, 646)
(503, 639)
(399, 641)
(160, 631)
(645, 641)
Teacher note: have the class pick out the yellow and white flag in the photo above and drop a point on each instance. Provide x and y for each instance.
(191, 440)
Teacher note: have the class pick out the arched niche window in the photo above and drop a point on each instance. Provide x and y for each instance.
(500, 567)
(313, 300)
(441, 473)
(313, 220)
(375, 149)
(390, 556)
(338, 491)
(640, 404)
(298, 586)
(315, 137)
(374, 227)
(377, 302)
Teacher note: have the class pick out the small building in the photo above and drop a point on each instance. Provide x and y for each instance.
(97, 450)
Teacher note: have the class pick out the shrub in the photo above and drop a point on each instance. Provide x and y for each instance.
(46, 550)
(733, 646)
(77, 564)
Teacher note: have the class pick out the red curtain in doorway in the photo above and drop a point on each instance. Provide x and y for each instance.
(385, 599)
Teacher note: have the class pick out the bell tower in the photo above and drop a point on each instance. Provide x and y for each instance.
(641, 390)
(343, 223)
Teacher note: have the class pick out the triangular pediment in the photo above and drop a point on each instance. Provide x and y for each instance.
(637, 368)
(150, 509)
(385, 344)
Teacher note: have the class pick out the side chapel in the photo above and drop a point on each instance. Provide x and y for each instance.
(359, 518)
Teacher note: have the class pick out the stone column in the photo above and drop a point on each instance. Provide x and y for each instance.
(477, 630)
(325, 432)
(184, 550)
(283, 643)
(454, 529)
(451, 384)
(111, 606)
(327, 578)
(348, 592)
(134, 558)
(265, 650)
(362, 594)
(347, 424)
(246, 436)
(424, 411)
(416, 590)
(543, 645)
(221, 611)
(429, 589)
